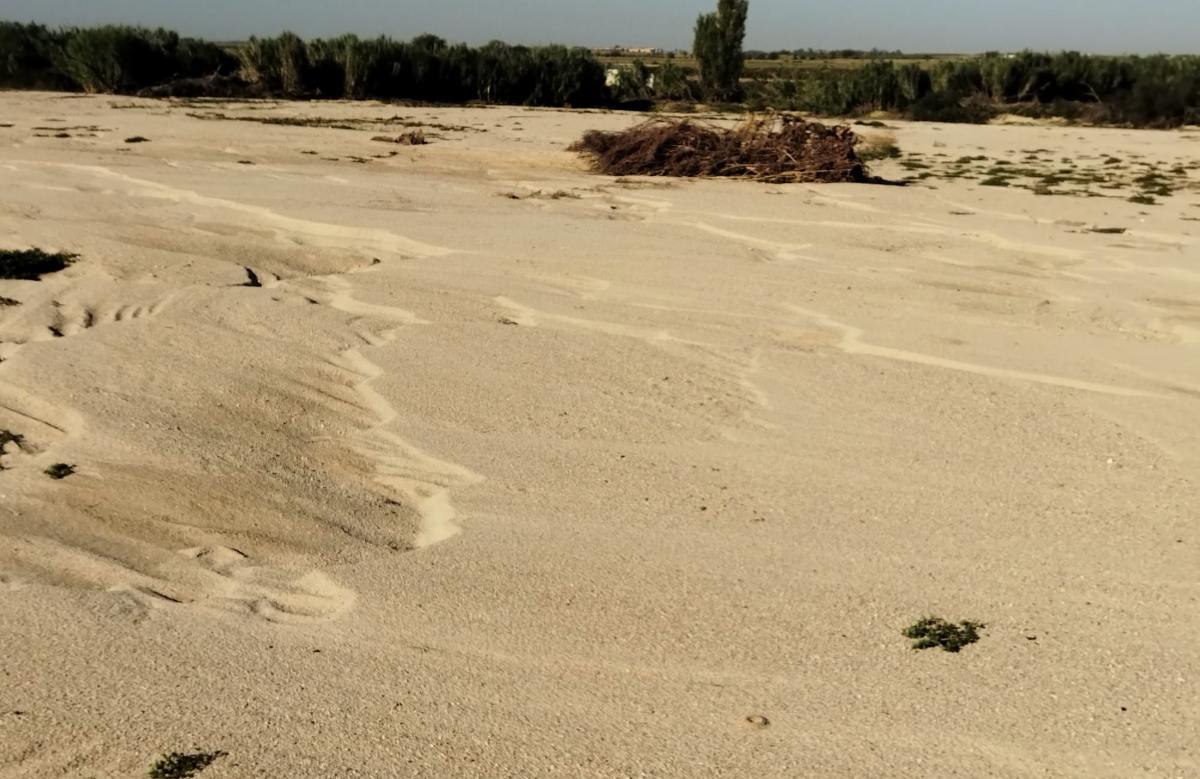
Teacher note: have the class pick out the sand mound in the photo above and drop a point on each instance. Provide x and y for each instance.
(770, 149)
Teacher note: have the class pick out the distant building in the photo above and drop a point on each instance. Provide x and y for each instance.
(629, 51)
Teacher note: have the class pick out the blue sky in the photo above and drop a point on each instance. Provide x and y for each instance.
(913, 25)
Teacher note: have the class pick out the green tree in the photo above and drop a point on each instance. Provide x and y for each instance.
(718, 48)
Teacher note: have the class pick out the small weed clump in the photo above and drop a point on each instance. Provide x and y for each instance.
(32, 264)
(60, 471)
(178, 765)
(8, 437)
(931, 632)
(4, 302)
(413, 138)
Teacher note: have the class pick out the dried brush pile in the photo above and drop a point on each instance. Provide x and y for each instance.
(783, 149)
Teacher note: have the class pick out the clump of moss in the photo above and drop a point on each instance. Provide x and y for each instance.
(32, 264)
(179, 765)
(931, 632)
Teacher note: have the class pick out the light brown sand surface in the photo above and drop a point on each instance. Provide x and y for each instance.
(507, 469)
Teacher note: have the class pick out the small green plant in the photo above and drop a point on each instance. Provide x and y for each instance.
(931, 632)
(994, 181)
(1143, 200)
(8, 302)
(179, 765)
(60, 471)
(32, 264)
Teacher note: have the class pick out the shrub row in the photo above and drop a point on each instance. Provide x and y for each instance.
(1156, 90)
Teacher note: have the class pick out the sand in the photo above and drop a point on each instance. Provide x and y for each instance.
(499, 468)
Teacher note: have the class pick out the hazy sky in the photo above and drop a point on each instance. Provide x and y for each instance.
(912, 25)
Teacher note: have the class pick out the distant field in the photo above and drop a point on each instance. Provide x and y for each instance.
(784, 65)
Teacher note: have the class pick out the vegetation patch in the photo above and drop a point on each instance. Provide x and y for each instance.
(335, 124)
(60, 471)
(933, 632)
(180, 765)
(1088, 176)
(32, 264)
(784, 150)
(880, 149)
(136, 139)
(6, 438)
(8, 302)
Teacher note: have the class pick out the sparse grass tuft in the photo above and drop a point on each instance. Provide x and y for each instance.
(995, 181)
(60, 471)
(32, 264)
(932, 632)
(8, 302)
(1143, 200)
(880, 148)
(178, 765)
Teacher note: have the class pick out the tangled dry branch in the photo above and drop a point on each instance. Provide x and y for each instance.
(774, 149)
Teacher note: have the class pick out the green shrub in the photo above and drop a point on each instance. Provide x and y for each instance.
(280, 64)
(27, 58)
(932, 632)
(671, 83)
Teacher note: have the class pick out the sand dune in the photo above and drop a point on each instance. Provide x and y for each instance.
(464, 462)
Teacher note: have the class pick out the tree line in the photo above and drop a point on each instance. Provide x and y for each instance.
(126, 60)
(1145, 91)
(1155, 90)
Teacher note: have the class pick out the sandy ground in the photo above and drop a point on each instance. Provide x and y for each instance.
(511, 470)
